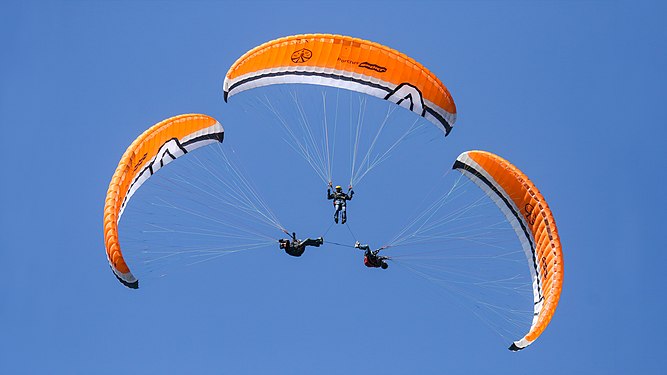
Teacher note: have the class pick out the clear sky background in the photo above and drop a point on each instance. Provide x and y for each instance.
(570, 91)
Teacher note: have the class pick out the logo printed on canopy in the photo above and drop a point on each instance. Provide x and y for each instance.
(301, 56)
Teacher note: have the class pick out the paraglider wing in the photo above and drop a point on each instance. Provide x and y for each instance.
(155, 148)
(526, 209)
(348, 63)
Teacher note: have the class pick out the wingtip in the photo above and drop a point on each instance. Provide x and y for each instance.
(514, 348)
(132, 285)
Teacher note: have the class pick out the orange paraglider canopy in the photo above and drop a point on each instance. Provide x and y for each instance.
(348, 63)
(528, 212)
(152, 150)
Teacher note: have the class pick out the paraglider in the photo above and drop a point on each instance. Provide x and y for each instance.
(296, 247)
(340, 201)
(530, 216)
(155, 148)
(344, 62)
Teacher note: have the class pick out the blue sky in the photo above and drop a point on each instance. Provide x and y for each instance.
(569, 91)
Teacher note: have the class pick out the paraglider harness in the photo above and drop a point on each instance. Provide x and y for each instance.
(371, 257)
(295, 248)
(340, 201)
(373, 260)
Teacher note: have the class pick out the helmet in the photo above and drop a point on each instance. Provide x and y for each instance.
(384, 266)
(338, 187)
